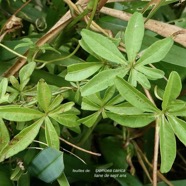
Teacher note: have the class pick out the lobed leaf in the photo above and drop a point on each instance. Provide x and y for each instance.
(134, 35)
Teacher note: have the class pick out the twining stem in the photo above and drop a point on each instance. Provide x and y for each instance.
(156, 149)
(13, 52)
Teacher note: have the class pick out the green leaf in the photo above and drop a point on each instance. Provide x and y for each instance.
(25, 73)
(134, 35)
(101, 81)
(90, 120)
(44, 95)
(66, 119)
(102, 46)
(109, 93)
(4, 135)
(21, 141)
(177, 108)
(81, 71)
(179, 128)
(3, 88)
(142, 79)
(133, 96)
(89, 104)
(56, 102)
(123, 108)
(132, 79)
(88, 49)
(62, 108)
(133, 121)
(51, 135)
(151, 73)
(16, 113)
(62, 180)
(167, 145)
(156, 52)
(15, 83)
(172, 89)
(48, 165)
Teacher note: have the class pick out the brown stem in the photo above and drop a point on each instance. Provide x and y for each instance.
(79, 148)
(163, 29)
(156, 149)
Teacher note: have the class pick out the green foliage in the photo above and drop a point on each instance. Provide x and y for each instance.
(87, 92)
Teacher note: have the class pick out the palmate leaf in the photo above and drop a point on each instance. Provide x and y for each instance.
(167, 145)
(90, 120)
(133, 121)
(17, 113)
(81, 71)
(134, 35)
(67, 119)
(102, 80)
(172, 89)
(102, 46)
(150, 73)
(156, 52)
(21, 140)
(133, 96)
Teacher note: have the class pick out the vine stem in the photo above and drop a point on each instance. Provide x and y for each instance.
(156, 149)
(12, 51)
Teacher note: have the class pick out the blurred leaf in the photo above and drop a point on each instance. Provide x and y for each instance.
(119, 159)
(48, 165)
(4, 135)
